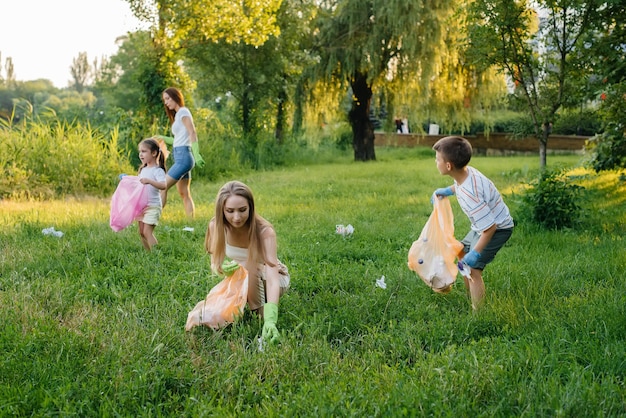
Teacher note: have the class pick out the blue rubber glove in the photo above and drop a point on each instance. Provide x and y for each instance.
(471, 258)
(270, 314)
(195, 149)
(444, 191)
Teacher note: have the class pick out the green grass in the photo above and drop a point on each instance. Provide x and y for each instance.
(93, 325)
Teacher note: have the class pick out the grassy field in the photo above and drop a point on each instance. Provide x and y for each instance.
(93, 325)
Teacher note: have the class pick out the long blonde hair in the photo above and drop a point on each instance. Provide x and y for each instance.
(216, 244)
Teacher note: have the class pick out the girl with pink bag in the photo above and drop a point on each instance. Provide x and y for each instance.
(138, 197)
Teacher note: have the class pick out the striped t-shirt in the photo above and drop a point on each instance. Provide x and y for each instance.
(481, 202)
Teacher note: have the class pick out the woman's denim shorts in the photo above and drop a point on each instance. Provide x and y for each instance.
(183, 163)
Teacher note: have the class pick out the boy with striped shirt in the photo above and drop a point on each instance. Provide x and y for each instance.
(491, 221)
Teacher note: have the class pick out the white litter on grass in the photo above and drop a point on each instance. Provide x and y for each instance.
(381, 282)
(261, 345)
(188, 229)
(52, 231)
(344, 231)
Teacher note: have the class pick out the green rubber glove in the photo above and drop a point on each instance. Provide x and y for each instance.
(270, 332)
(195, 149)
(229, 267)
(167, 139)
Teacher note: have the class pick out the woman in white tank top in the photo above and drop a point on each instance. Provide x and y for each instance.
(239, 233)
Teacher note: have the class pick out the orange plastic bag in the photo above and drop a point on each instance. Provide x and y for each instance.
(433, 255)
(224, 303)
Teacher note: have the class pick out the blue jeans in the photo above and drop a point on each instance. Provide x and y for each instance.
(183, 163)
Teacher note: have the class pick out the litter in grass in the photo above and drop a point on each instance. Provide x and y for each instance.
(52, 231)
(188, 229)
(344, 231)
(381, 282)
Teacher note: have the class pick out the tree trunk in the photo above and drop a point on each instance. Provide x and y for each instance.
(298, 112)
(362, 128)
(246, 106)
(546, 130)
(280, 116)
(543, 146)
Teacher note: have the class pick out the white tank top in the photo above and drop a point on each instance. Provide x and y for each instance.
(238, 254)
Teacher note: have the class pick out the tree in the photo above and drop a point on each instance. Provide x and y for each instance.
(156, 66)
(607, 57)
(535, 47)
(81, 71)
(248, 22)
(183, 24)
(458, 90)
(119, 78)
(9, 80)
(365, 42)
(244, 74)
(69, 105)
(260, 77)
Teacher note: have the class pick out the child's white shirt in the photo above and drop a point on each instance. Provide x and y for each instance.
(155, 173)
(481, 201)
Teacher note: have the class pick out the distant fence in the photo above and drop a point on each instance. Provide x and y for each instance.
(495, 143)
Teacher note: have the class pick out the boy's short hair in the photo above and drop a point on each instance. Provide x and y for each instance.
(455, 150)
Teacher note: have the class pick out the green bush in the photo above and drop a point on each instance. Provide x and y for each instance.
(576, 122)
(607, 151)
(520, 124)
(345, 140)
(553, 201)
(502, 121)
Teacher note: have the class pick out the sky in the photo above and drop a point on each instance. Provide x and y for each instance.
(43, 37)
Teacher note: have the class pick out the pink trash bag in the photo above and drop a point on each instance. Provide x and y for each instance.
(433, 255)
(224, 303)
(128, 202)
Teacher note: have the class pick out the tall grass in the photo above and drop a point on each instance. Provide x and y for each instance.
(41, 161)
(46, 160)
(93, 325)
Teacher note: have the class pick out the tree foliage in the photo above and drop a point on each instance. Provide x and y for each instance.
(607, 57)
(253, 68)
(265, 66)
(535, 44)
(607, 150)
(81, 71)
(250, 22)
(459, 89)
(364, 44)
